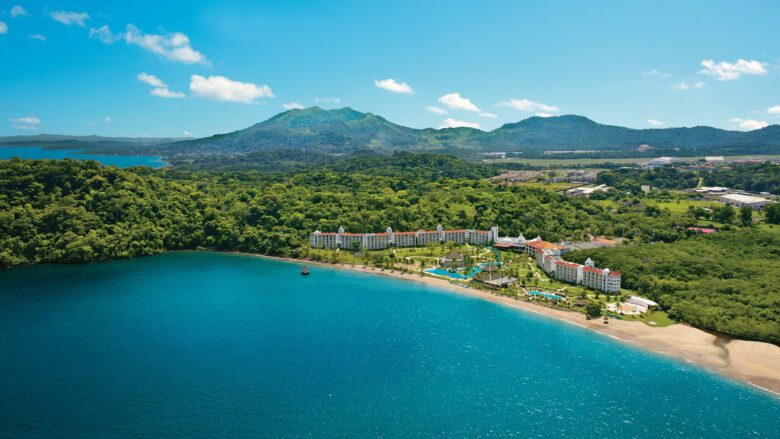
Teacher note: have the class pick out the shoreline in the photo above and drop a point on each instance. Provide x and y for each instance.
(751, 362)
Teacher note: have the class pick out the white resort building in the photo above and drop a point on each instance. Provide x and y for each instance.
(377, 241)
(547, 254)
(548, 257)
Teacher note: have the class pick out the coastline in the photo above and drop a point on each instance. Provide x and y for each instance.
(752, 362)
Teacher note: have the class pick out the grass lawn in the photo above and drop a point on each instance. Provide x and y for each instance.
(658, 319)
(679, 206)
(593, 161)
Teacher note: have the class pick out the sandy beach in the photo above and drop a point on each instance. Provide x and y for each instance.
(756, 363)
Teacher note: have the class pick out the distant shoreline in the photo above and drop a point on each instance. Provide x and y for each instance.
(752, 362)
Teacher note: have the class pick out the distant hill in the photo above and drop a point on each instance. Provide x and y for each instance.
(345, 131)
(95, 144)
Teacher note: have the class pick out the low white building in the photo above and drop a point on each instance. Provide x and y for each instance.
(740, 200)
(586, 191)
(641, 301)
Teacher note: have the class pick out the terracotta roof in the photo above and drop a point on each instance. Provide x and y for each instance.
(405, 233)
(326, 234)
(503, 244)
(593, 270)
(546, 245)
(614, 273)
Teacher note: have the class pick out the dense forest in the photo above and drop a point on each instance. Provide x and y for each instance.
(728, 282)
(70, 211)
(763, 177)
(631, 179)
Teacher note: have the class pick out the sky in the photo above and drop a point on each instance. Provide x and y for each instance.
(198, 68)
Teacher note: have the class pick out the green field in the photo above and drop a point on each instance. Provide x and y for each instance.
(619, 161)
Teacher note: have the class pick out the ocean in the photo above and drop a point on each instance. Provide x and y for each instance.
(200, 344)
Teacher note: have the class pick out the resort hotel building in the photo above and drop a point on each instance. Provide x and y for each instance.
(548, 257)
(547, 254)
(378, 241)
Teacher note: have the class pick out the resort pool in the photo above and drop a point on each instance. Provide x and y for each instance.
(546, 295)
(443, 272)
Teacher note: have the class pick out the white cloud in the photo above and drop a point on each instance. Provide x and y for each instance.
(104, 34)
(489, 115)
(223, 89)
(748, 124)
(164, 92)
(683, 86)
(392, 85)
(436, 110)
(327, 100)
(458, 102)
(69, 18)
(528, 105)
(175, 46)
(3, 28)
(293, 106)
(655, 123)
(18, 11)
(107, 119)
(542, 114)
(725, 71)
(454, 123)
(38, 37)
(160, 88)
(773, 110)
(25, 123)
(187, 133)
(150, 80)
(656, 72)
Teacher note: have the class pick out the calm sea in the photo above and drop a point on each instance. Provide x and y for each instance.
(218, 345)
(121, 161)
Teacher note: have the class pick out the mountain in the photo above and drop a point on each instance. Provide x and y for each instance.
(341, 131)
(345, 131)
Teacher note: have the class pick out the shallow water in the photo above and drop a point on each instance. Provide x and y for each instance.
(206, 344)
(121, 161)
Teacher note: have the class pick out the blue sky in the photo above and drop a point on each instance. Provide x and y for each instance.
(204, 67)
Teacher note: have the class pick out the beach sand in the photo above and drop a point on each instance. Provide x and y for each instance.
(753, 362)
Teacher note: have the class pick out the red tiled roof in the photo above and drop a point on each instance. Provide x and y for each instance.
(328, 234)
(405, 233)
(502, 245)
(593, 270)
(545, 245)
(614, 273)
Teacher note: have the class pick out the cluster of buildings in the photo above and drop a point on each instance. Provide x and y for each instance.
(732, 197)
(390, 238)
(548, 257)
(547, 254)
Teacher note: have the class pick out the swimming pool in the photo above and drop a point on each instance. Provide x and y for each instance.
(443, 272)
(545, 294)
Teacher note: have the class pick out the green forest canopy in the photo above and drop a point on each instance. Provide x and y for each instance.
(69, 211)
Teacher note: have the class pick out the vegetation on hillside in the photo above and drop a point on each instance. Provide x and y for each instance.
(728, 282)
(69, 211)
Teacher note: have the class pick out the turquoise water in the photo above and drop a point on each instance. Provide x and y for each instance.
(443, 272)
(545, 294)
(121, 161)
(217, 345)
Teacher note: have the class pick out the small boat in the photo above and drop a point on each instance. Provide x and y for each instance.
(305, 271)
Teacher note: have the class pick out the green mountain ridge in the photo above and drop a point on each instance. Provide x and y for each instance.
(345, 131)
